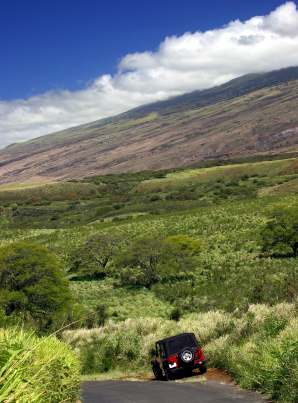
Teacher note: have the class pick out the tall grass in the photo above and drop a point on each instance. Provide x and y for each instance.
(259, 347)
(262, 351)
(36, 369)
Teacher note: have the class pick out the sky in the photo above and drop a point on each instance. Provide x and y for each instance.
(68, 62)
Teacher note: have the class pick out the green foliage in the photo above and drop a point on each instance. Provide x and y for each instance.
(160, 245)
(184, 245)
(32, 369)
(280, 235)
(32, 284)
(121, 303)
(175, 314)
(143, 262)
(266, 359)
(181, 294)
(125, 196)
(93, 258)
(97, 317)
(258, 347)
(149, 261)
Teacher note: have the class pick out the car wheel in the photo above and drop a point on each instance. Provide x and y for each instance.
(168, 376)
(157, 372)
(188, 372)
(203, 369)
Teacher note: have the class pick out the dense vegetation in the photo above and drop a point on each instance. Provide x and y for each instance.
(169, 247)
(36, 370)
(32, 285)
(258, 347)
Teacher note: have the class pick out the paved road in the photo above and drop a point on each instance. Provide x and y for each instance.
(165, 392)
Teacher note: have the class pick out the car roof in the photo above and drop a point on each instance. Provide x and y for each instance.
(174, 337)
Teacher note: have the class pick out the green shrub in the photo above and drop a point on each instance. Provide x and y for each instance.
(32, 369)
(262, 351)
(176, 314)
(148, 261)
(267, 364)
(96, 318)
(32, 284)
(280, 234)
(92, 259)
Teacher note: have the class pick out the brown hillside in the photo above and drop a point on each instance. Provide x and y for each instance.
(263, 121)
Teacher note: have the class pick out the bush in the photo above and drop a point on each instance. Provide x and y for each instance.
(142, 262)
(176, 314)
(149, 261)
(280, 235)
(265, 357)
(155, 198)
(36, 369)
(97, 317)
(93, 258)
(32, 284)
(267, 364)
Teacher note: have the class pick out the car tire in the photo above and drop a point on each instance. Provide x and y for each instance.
(157, 372)
(188, 372)
(203, 369)
(168, 376)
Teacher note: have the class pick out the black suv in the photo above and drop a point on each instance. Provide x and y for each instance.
(181, 353)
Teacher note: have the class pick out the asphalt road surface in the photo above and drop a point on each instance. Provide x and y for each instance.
(165, 392)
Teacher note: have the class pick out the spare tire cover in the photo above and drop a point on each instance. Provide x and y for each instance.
(187, 355)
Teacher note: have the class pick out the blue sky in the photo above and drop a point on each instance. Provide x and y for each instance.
(68, 62)
(53, 44)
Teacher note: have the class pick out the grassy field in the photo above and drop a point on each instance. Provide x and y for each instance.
(233, 292)
(225, 207)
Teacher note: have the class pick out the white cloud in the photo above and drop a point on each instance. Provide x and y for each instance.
(192, 61)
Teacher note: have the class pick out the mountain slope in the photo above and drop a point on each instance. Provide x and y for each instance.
(251, 115)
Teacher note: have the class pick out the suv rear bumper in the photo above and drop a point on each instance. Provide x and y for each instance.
(184, 368)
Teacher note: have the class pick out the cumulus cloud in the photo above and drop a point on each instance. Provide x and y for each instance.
(192, 61)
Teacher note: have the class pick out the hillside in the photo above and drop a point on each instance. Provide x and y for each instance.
(251, 115)
(215, 217)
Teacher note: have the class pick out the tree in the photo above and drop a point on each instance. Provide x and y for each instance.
(32, 284)
(141, 262)
(92, 259)
(279, 237)
(148, 261)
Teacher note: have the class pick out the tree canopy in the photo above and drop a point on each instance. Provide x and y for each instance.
(280, 234)
(92, 259)
(32, 284)
(148, 261)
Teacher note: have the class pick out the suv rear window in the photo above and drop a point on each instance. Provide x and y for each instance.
(178, 343)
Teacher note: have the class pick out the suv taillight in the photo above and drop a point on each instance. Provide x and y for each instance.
(199, 355)
(173, 359)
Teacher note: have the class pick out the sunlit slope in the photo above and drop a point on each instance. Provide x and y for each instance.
(134, 196)
(254, 115)
(286, 168)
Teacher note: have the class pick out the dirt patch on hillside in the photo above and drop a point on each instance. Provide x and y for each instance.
(219, 375)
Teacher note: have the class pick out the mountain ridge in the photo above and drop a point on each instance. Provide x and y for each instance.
(247, 116)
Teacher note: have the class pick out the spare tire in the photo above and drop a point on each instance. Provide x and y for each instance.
(187, 356)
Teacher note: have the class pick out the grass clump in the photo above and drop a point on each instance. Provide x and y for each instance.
(36, 369)
(261, 352)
